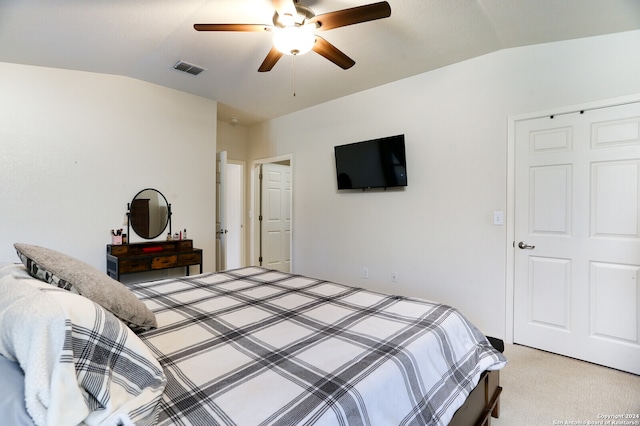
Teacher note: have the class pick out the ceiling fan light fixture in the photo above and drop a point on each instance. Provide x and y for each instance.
(295, 40)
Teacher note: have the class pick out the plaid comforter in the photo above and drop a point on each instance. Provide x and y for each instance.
(259, 347)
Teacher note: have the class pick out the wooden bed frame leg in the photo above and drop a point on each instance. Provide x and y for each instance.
(496, 410)
(494, 401)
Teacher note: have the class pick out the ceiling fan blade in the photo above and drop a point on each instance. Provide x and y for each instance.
(232, 27)
(354, 15)
(271, 59)
(324, 48)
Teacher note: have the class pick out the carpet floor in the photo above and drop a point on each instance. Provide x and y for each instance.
(541, 388)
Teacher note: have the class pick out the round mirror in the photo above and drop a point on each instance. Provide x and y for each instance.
(149, 213)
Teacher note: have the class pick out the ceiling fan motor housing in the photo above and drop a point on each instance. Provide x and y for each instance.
(304, 13)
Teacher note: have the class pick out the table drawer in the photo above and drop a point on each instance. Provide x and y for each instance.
(162, 262)
(189, 259)
(185, 245)
(119, 250)
(133, 265)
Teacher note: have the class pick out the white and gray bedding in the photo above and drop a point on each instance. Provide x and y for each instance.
(243, 347)
(259, 347)
(81, 364)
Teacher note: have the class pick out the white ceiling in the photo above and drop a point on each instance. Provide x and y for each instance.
(143, 39)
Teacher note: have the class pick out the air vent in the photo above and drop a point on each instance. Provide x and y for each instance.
(188, 68)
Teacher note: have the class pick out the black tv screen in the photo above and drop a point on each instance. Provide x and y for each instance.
(377, 163)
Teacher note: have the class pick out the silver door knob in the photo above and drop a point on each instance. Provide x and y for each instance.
(525, 246)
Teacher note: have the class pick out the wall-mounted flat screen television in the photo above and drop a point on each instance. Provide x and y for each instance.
(376, 163)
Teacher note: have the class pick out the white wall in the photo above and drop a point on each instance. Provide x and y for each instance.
(234, 139)
(437, 234)
(76, 147)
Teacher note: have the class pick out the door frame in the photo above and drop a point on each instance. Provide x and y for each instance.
(253, 209)
(221, 191)
(511, 173)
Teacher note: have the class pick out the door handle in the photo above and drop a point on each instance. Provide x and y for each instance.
(525, 246)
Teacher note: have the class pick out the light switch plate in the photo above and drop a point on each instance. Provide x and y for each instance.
(498, 218)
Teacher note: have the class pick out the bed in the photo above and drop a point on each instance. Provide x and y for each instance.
(259, 347)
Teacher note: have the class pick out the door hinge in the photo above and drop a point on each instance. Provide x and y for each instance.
(260, 218)
(260, 260)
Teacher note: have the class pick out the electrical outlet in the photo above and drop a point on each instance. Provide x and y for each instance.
(365, 272)
(394, 277)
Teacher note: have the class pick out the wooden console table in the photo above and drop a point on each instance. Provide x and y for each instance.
(151, 256)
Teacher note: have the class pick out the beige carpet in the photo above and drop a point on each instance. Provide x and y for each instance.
(540, 388)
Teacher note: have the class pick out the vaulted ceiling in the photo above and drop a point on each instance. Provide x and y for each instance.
(144, 39)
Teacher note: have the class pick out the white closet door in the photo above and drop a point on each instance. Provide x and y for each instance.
(577, 222)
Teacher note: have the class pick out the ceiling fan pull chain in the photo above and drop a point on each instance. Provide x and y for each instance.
(293, 74)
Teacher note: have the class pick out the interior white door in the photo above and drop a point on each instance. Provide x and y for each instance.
(221, 211)
(234, 215)
(577, 235)
(276, 217)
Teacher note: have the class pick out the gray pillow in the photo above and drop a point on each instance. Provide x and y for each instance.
(72, 274)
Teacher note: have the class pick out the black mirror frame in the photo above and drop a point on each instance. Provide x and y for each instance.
(168, 222)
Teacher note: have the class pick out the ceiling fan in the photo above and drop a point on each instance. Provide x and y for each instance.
(294, 25)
